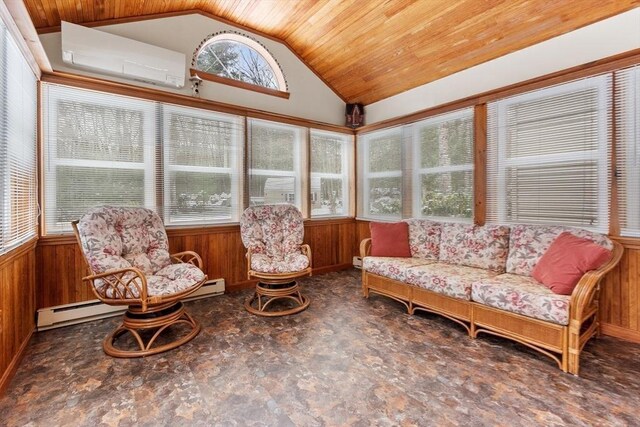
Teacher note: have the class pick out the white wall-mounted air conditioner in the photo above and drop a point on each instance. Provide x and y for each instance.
(122, 57)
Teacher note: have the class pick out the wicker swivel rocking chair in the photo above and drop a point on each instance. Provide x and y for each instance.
(127, 252)
(276, 257)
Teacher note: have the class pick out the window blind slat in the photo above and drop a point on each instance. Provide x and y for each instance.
(18, 106)
(424, 169)
(548, 156)
(203, 155)
(331, 158)
(276, 163)
(627, 96)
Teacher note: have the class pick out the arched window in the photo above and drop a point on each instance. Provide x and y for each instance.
(234, 56)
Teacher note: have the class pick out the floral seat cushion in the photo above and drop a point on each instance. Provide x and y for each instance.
(273, 235)
(522, 295)
(392, 267)
(527, 244)
(447, 279)
(424, 238)
(172, 279)
(274, 230)
(116, 237)
(289, 263)
(475, 246)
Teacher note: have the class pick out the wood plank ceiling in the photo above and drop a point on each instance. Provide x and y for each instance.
(372, 49)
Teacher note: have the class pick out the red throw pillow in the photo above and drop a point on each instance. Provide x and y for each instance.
(566, 260)
(390, 239)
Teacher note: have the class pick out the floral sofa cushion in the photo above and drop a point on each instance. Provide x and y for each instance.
(528, 243)
(116, 237)
(475, 246)
(288, 263)
(447, 279)
(424, 238)
(274, 230)
(172, 279)
(522, 295)
(391, 267)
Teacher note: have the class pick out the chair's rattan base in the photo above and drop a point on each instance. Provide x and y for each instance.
(159, 318)
(267, 293)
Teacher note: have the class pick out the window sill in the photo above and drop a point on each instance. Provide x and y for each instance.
(237, 83)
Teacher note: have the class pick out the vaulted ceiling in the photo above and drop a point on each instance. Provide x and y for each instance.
(368, 50)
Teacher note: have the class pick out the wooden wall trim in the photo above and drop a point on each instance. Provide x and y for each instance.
(239, 84)
(8, 374)
(627, 242)
(620, 332)
(92, 83)
(18, 252)
(604, 65)
(480, 164)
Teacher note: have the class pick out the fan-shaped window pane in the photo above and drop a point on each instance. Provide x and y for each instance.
(241, 58)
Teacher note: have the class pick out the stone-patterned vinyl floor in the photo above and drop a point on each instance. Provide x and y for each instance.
(345, 361)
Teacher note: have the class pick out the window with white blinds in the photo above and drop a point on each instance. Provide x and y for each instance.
(99, 149)
(443, 166)
(202, 165)
(627, 96)
(380, 172)
(276, 161)
(548, 156)
(18, 106)
(331, 158)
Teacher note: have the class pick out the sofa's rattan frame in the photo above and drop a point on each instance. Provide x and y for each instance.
(562, 343)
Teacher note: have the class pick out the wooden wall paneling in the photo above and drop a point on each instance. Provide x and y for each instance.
(17, 308)
(620, 301)
(61, 265)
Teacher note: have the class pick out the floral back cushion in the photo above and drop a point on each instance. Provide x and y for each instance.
(529, 242)
(424, 238)
(116, 237)
(484, 246)
(273, 230)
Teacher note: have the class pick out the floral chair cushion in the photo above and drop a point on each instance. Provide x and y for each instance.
(392, 267)
(522, 295)
(274, 230)
(475, 246)
(290, 263)
(424, 238)
(117, 237)
(172, 279)
(447, 279)
(528, 243)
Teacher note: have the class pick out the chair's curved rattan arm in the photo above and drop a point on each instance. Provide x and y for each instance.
(188, 257)
(587, 288)
(365, 247)
(122, 283)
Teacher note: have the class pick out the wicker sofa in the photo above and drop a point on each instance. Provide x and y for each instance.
(480, 277)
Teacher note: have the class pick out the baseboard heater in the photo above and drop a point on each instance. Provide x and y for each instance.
(357, 262)
(86, 311)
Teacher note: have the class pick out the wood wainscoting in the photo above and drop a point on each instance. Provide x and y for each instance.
(17, 307)
(620, 297)
(61, 266)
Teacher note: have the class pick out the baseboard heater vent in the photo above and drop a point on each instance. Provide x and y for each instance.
(357, 262)
(86, 311)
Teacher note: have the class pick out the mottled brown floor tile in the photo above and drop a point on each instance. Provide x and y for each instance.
(344, 361)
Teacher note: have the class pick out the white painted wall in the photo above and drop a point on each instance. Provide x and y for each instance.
(617, 34)
(310, 97)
